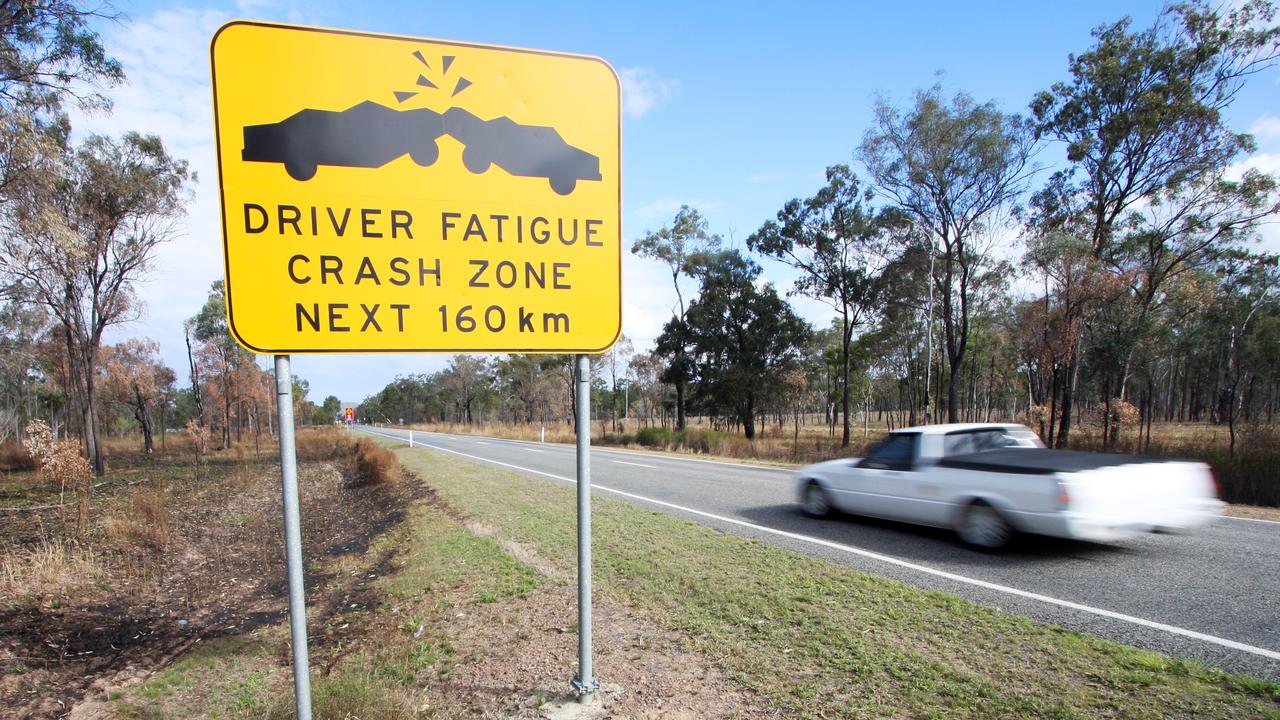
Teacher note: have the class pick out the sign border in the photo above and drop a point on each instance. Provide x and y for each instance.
(226, 253)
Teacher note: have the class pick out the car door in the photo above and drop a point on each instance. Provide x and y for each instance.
(875, 485)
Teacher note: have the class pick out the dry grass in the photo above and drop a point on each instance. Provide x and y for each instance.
(144, 522)
(51, 569)
(372, 464)
(318, 444)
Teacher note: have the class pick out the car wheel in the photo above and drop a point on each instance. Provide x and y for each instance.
(816, 502)
(425, 155)
(980, 526)
(475, 161)
(300, 171)
(563, 186)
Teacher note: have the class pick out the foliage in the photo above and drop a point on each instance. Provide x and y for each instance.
(1148, 193)
(80, 247)
(952, 168)
(678, 246)
(836, 240)
(742, 336)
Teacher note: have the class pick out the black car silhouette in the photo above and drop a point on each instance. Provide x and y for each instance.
(367, 135)
(524, 150)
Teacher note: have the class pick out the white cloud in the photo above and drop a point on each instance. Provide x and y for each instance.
(1267, 162)
(643, 90)
(1266, 128)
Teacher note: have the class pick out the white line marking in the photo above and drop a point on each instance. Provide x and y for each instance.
(531, 449)
(624, 462)
(1173, 629)
(481, 442)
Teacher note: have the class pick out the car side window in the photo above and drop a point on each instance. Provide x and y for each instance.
(972, 441)
(896, 452)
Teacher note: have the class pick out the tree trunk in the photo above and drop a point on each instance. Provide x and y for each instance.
(846, 337)
(144, 419)
(681, 417)
(748, 418)
(195, 379)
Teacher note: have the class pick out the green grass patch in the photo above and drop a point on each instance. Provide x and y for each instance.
(820, 640)
(223, 678)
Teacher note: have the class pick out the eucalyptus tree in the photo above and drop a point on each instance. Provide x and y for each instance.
(1250, 287)
(223, 357)
(953, 166)
(1148, 189)
(675, 245)
(81, 249)
(49, 53)
(742, 337)
(836, 239)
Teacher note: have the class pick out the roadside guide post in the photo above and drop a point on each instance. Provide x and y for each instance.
(585, 683)
(391, 194)
(293, 538)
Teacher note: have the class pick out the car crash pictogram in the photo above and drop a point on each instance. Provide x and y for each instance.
(367, 135)
(370, 135)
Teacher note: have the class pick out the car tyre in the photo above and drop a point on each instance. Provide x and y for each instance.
(563, 186)
(300, 171)
(475, 161)
(816, 502)
(980, 526)
(425, 155)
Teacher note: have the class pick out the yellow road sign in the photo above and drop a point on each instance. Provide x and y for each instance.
(396, 194)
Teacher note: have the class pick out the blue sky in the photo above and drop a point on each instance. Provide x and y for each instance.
(733, 108)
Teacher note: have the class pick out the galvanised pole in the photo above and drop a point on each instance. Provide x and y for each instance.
(293, 539)
(585, 683)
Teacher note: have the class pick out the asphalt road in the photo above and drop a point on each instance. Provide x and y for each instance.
(1212, 596)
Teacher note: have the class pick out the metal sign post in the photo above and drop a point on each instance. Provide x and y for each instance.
(293, 539)
(585, 683)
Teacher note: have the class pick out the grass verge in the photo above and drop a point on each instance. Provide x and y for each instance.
(818, 640)
(382, 661)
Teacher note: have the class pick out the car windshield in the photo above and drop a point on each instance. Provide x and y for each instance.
(896, 451)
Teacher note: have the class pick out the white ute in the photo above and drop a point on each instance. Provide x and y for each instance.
(986, 481)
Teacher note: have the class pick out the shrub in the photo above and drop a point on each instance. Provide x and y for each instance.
(702, 440)
(655, 437)
(372, 464)
(61, 462)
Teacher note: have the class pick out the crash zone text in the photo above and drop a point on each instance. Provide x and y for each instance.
(398, 248)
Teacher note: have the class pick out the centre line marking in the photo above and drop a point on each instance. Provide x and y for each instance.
(1172, 629)
(624, 462)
